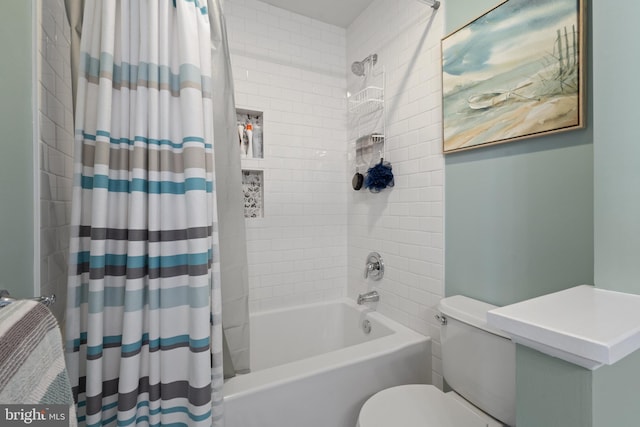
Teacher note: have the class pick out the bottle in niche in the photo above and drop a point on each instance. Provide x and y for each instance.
(241, 135)
(257, 139)
(248, 130)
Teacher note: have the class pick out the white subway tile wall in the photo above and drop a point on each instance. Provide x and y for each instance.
(312, 243)
(292, 68)
(404, 224)
(55, 122)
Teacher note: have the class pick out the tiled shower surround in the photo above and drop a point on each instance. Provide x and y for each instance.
(291, 68)
(312, 243)
(405, 224)
(55, 122)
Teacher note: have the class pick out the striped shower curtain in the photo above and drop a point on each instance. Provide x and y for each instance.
(143, 324)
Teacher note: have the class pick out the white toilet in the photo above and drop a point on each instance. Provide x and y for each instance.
(479, 364)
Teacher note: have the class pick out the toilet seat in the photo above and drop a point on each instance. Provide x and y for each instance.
(420, 405)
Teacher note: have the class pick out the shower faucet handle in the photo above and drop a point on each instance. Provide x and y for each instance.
(374, 266)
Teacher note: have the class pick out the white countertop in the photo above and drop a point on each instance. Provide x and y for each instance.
(584, 325)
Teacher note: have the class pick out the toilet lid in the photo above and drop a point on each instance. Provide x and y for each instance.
(420, 405)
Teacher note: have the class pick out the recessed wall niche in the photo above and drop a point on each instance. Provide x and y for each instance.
(253, 188)
(250, 133)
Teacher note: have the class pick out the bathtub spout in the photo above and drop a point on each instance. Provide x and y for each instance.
(368, 297)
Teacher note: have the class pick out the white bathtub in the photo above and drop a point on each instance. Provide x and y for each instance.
(314, 366)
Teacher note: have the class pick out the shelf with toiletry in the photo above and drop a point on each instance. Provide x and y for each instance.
(250, 125)
(370, 158)
(369, 149)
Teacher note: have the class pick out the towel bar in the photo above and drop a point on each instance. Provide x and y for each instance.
(6, 299)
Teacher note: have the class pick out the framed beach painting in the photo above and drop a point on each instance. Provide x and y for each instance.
(515, 72)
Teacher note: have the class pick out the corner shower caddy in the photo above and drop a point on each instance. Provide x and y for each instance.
(367, 112)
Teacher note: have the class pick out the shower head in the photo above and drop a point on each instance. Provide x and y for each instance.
(358, 68)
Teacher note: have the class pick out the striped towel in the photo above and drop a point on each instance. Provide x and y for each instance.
(32, 368)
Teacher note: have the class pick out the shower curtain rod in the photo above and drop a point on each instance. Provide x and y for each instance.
(433, 3)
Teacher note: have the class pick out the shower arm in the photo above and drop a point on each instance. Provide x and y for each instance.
(433, 3)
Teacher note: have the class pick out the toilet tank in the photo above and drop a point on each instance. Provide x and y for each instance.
(478, 361)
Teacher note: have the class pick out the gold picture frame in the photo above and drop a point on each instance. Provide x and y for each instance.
(515, 72)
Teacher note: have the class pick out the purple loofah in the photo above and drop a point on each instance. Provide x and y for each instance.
(379, 177)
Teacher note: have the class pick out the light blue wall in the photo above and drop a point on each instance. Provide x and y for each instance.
(617, 191)
(518, 216)
(16, 160)
(552, 392)
(617, 145)
(519, 219)
(615, 393)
